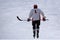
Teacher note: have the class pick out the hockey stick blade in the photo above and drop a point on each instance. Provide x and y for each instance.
(19, 19)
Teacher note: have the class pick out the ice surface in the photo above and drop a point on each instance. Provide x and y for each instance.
(11, 28)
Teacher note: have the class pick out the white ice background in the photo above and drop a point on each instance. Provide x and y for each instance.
(11, 28)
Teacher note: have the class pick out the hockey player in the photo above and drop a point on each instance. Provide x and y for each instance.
(36, 15)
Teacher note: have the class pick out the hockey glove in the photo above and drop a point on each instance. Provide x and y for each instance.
(44, 19)
(28, 19)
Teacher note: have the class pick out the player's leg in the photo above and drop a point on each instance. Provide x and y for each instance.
(38, 23)
(34, 32)
(37, 31)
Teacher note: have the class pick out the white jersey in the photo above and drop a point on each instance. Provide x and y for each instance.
(35, 14)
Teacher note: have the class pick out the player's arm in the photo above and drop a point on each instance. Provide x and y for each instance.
(43, 16)
(30, 15)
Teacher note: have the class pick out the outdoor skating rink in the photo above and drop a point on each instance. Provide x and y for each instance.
(13, 29)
